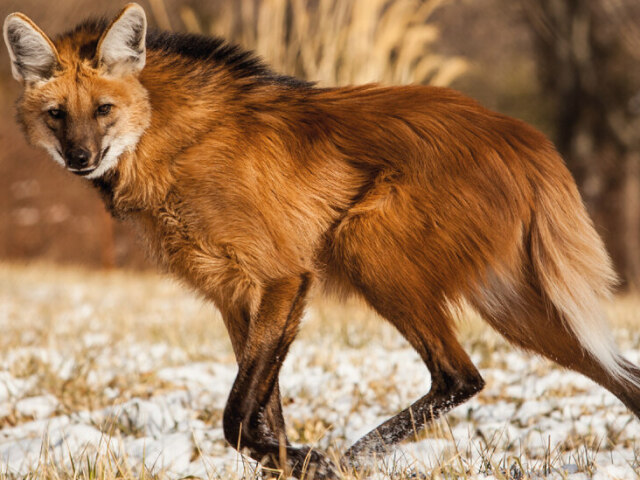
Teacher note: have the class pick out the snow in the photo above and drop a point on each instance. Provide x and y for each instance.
(333, 393)
(37, 407)
(165, 433)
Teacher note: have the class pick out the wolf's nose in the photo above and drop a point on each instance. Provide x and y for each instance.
(78, 157)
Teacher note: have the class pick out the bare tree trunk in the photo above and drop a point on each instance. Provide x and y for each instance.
(585, 51)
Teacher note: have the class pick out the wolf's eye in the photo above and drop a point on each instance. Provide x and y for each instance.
(104, 109)
(56, 113)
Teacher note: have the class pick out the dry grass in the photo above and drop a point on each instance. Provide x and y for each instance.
(335, 42)
(102, 332)
(66, 331)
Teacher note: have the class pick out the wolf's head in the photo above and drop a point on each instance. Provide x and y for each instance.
(82, 100)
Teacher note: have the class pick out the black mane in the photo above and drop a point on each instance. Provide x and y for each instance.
(214, 50)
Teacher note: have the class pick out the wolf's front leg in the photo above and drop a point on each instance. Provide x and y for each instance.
(237, 319)
(267, 342)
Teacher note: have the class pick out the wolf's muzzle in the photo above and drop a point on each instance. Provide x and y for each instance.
(77, 158)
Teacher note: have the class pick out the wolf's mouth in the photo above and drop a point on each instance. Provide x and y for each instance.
(82, 172)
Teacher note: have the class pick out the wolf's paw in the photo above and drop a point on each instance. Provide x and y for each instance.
(312, 464)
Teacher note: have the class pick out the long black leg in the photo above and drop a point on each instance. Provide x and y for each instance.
(454, 379)
(269, 336)
(237, 319)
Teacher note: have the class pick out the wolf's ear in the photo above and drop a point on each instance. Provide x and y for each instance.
(33, 56)
(121, 48)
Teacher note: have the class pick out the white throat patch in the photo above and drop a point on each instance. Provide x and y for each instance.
(117, 147)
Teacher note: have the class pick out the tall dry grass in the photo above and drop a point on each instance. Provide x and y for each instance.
(337, 42)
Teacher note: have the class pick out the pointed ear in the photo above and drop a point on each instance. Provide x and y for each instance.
(33, 56)
(121, 49)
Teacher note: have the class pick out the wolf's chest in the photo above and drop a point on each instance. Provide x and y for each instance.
(197, 256)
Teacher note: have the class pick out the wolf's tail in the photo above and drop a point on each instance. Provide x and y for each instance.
(555, 302)
(575, 274)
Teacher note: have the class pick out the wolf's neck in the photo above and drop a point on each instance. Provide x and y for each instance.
(136, 184)
(106, 185)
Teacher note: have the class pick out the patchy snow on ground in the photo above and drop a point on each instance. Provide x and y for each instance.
(95, 366)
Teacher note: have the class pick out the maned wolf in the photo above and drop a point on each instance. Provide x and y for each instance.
(253, 187)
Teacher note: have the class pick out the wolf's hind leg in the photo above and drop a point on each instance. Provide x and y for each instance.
(408, 272)
(454, 379)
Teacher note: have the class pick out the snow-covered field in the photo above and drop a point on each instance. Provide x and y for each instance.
(107, 375)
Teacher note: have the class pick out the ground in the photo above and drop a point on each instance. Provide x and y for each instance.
(122, 374)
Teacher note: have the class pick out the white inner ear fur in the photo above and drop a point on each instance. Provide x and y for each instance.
(31, 54)
(122, 49)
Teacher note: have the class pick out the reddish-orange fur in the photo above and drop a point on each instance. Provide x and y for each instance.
(414, 198)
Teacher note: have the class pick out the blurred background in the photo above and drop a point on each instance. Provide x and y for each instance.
(569, 67)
